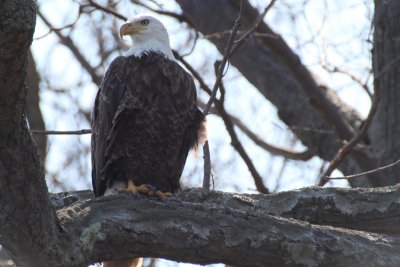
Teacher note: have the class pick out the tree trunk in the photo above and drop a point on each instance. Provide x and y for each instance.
(26, 217)
(385, 130)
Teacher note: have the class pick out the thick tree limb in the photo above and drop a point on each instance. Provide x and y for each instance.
(373, 210)
(365, 209)
(230, 228)
(203, 226)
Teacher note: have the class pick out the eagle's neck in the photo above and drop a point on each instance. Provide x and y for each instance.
(141, 47)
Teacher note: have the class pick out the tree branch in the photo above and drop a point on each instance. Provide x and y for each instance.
(263, 63)
(253, 27)
(258, 180)
(68, 42)
(217, 84)
(317, 97)
(379, 169)
(275, 150)
(225, 58)
(48, 132)
(105, 9)
(178, 17)
(365, 209)
(347, 148)
(205, 226)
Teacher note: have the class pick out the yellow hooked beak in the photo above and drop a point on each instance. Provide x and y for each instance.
(128, 29)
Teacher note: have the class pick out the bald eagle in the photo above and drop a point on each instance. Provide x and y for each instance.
(145, 118)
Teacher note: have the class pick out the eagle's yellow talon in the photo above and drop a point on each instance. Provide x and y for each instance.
(134, 189)
(162, 195)
(147, 190)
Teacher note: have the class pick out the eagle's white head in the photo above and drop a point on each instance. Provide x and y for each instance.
(148, 34)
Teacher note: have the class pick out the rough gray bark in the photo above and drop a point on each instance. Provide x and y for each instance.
(374, 209)
(231, 228)
(202, 226)
(277, 72)
(385, 130)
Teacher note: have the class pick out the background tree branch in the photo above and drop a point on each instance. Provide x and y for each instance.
(277, 72)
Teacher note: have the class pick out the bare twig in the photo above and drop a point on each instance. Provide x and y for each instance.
(275, 150)
(67, 41)
(238, 146)
(229, 125)
(387, 69)
(225, 58)
(336, 69)
(226, 32)
(311, 130)
(78, 132)
(227, 53)
(195, 74)
(366, 173)
(179, 17)
(253, 27)
(63, 27)
(317, 97)
(105, 9)
(346, 149)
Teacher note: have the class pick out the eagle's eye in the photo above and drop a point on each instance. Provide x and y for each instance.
(144, 22)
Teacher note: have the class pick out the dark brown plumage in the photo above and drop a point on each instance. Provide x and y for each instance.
(145, 120)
